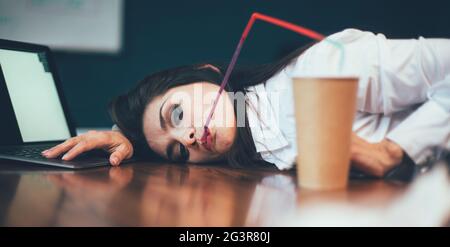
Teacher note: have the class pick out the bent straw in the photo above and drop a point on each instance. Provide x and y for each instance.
(284, 24)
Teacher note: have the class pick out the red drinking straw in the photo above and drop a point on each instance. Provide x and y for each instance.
(255, 16)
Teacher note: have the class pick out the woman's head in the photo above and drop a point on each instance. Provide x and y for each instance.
(173, 123)
(166, 111)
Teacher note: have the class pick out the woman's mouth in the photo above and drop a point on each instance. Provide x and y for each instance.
(208, 141)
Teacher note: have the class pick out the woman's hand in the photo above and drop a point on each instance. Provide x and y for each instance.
(114, 142)
(375, 158)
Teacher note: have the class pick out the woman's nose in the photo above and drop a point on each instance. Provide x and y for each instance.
(188, 137)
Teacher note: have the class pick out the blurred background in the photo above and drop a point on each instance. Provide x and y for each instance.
(103, 47)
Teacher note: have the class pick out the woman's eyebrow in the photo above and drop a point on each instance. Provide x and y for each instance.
(162, 121)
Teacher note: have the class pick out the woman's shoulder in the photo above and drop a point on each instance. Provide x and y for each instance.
(349, 35)
(342, 52)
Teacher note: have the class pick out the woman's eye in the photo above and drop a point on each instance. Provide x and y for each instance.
(177, 115)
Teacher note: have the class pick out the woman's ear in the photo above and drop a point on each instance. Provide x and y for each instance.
(210, 66)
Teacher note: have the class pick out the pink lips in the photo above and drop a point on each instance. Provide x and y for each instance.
(207, 140)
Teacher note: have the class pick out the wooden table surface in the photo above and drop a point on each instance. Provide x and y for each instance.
(155, 194)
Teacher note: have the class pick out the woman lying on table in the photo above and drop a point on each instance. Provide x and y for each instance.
(403, 108)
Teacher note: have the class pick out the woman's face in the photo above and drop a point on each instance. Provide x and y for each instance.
(173, 123)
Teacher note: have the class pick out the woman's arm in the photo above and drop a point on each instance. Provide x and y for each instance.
(417, 71)
(395, 75)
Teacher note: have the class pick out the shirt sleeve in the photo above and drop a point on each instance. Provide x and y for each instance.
(394, 76)
(428, 127)
(417, 72)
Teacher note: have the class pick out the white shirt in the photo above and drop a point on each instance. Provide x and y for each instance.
(403, 94)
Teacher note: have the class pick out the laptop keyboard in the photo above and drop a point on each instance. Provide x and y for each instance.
(34, 152)
(27, 152)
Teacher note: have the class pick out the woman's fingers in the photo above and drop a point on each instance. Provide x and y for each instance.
(119, 147)
(61, 148)
(119, 154)
(81, 147)
(367, 164)
(368, 159)
(375, 158)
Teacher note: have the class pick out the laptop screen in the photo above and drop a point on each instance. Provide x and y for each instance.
(29, 101)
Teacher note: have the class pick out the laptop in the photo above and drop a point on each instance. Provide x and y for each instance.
(33, 111)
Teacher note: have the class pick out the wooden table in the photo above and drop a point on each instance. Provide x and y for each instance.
(154, 194)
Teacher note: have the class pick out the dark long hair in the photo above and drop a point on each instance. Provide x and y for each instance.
(127, 109)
